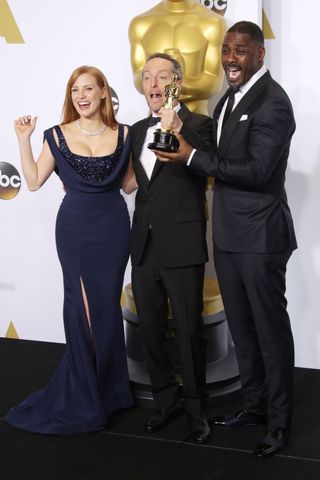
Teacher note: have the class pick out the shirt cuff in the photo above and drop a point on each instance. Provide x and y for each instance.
(191, 156)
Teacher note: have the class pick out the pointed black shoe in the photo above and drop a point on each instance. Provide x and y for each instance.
(240, 419)
(200, 430)
(162, 418)
(275, 441)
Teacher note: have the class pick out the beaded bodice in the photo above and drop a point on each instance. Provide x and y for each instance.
(95, 169)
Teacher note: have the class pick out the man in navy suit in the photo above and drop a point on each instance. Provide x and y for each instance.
(168, 253)
(253, 230)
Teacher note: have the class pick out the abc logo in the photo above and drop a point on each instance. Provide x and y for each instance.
(10, 181)
(115, 101)
(218, 6)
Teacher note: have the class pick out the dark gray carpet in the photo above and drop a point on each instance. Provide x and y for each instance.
(125, 452)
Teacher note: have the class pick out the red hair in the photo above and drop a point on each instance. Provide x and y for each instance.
(69, 113)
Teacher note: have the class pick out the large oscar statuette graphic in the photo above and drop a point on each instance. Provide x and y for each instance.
(164, 139)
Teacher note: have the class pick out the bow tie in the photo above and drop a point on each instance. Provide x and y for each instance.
(152, 121)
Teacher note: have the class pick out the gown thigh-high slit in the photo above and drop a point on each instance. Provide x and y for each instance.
(92, 237)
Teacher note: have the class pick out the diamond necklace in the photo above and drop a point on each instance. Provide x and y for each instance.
(91, 134)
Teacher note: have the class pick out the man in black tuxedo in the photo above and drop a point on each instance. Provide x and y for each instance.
(168, 253)
(252, 230)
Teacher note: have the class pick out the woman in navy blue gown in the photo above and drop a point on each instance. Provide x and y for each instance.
(90, 153)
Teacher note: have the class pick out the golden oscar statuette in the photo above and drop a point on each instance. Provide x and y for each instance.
(164, 139)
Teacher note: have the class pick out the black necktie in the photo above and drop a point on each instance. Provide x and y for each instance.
(152, 121)
(229, 107)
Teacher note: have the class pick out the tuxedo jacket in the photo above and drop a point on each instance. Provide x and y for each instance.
(172, 202)
(250, 209)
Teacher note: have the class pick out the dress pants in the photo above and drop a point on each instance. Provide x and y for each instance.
(253, 292)
(152, 286)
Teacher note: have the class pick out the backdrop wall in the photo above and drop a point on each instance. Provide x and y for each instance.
(293, 64)
(57, 37)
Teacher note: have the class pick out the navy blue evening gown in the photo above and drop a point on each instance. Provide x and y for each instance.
(92, 236)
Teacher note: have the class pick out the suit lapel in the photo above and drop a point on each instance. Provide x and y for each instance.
(157, 166)
(140, 137)
(240, 109)
(219, 106)
(216, 115)
(139, 141)
(184, 113)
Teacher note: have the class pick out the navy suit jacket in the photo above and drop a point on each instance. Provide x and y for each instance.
(250, 209)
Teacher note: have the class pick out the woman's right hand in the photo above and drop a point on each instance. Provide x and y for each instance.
(24, 126)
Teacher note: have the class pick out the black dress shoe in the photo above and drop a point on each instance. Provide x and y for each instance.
(162, 417)
(200, 430)
(275, 441)
(240, 419)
